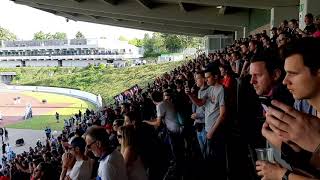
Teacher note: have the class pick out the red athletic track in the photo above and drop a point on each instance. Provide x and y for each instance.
(12, 113)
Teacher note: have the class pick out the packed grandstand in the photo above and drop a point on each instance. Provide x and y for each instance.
(203, 120)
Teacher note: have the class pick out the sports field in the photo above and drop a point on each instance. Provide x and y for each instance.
(43, 113)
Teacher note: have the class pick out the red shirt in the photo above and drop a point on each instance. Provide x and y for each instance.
(227, 82)
(4, 178)
(316, 34)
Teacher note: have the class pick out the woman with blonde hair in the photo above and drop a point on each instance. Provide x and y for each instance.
(127, 138)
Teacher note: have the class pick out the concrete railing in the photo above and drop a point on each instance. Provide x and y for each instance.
(95, 99)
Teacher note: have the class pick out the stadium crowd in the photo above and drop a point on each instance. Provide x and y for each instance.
(203, 120)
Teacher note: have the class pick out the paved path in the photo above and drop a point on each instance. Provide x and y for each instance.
(30, 138)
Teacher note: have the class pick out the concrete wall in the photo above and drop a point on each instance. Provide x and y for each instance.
(278, 14)
(260, 29)
(258, 18)
(9, 64)
(82, 63)
(44, 63)
(69, 92)
(54, 63)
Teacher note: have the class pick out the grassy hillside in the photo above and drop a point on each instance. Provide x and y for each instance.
(106, 81)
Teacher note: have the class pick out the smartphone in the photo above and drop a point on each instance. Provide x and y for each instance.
(266, 103)
(265, 100)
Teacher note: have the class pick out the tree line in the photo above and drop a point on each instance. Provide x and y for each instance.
(153, 44)
(6, 35)
(163, 43)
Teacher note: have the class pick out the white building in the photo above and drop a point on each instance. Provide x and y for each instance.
(67, 53)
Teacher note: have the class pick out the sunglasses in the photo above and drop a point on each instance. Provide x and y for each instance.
(119, 136)
(89, 145)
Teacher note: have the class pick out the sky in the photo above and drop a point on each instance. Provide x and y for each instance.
(24, 21)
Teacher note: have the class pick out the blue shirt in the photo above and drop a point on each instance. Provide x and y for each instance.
(304, 106)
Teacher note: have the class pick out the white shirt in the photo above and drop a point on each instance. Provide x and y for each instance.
(112, 167)
(82, 170)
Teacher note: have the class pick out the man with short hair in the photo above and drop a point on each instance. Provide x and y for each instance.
(266, 77)
(282, 40)
(254, 48)
(294, 30)
(236, 62)
(167, 114)
(198, 115)
(111, 162)
(82, 169)
(213, 100)
(310, 26)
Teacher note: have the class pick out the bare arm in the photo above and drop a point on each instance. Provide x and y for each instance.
(63, 173)
(22, 169)
(244, 68)
(129, 156)
(196, 101)
(237, 70)
(220, 120)
(155, 122)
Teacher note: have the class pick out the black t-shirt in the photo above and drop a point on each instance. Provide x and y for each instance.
(310, 29)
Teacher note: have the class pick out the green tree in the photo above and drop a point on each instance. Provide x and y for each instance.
(59, 36)
(122, 38)
(79, 35)
(6, 35)
(48, 36)
(39, 35)
(190, 41)
(148, 45)
(160, 43)
(172, 42)
(136, 42)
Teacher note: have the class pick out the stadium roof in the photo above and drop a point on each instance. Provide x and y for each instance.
(192, 17)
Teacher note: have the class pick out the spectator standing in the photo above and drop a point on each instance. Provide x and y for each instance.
(80, 115)
(4, 147)
(1, 133)
(167, 116)
(213, 100)
(111, 162)
(48, 132)
(82, 169)
(199, 111)
(6, 134)
(129, 150)
(57, 117)
(310, 26)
